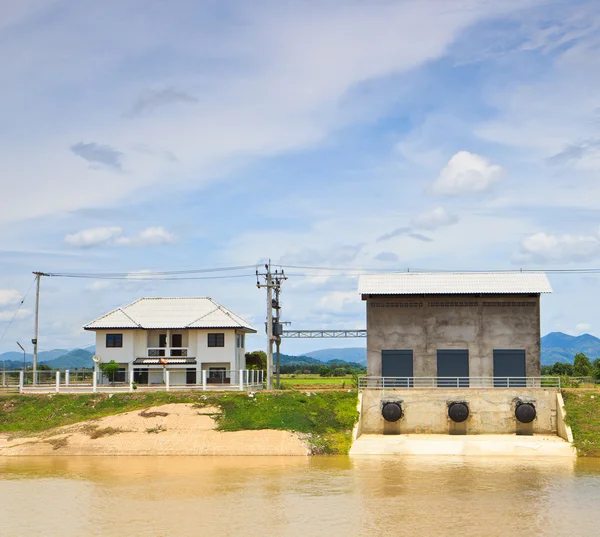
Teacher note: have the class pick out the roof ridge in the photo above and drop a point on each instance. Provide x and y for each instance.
(173, 298)
(120, 308)
(202, 317)
(129, 317)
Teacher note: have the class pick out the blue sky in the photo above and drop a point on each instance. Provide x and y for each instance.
(146, 135)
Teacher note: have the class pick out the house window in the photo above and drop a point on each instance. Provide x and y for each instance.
(114, 340)
(216, 340)
(240, 341)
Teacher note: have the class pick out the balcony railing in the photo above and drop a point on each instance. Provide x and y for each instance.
(458, 382)
(171, 352)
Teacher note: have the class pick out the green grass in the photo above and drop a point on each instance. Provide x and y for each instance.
(583, 415)
(25, 414)
(325, 419)
(307, 381)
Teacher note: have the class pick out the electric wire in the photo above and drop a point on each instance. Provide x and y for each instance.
(17, 311)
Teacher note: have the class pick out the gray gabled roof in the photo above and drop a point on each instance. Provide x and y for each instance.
(171, 313)
(415, 283)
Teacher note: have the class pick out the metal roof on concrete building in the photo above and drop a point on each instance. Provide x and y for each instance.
(171, 313)
(416, 283)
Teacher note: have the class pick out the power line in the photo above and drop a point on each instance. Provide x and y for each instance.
(131, 274)
(145, 277)
(347, 270)
(18, 308)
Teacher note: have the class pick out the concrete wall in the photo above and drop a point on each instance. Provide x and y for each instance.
(491, 411)
(427, 323)
(563, 430)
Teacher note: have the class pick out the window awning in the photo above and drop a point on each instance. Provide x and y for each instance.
(170, 361)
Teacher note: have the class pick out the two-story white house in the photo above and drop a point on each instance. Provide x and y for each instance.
(184, 335)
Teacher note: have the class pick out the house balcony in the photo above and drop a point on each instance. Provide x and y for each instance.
(171, 352)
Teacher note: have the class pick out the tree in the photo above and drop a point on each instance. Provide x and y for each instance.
(110, 368)
(596, 369)
(562, 368)
(256, 360)
(324, 371)
(582, 366)
(339, 372)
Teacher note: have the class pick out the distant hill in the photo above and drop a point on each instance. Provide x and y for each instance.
(351, 354)
(299, 361)
(556, 347)
(56, 358)
(560, 347)
(74, 359)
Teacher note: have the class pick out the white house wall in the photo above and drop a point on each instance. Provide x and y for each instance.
(121, 355)
(137, 342)
(206, 354)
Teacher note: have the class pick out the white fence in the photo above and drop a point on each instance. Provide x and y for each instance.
(125, 381)
(458, 382)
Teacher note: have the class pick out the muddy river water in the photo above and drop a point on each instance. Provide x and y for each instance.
(298, 496)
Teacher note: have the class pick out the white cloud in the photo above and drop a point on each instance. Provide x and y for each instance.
(8, 315)
(148, 237)
(438, 217)
(99, 285)
(100, 236)
(97, 236)
(466, 173)
(338, 303)
(583, 327)
(542, 247)
(253, 102)
(9, 297)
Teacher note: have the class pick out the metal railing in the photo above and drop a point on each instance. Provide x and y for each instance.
(174, 352)
(369, 382)
(124, 380)
(10, 381)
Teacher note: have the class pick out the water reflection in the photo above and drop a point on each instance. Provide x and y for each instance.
(297, 496)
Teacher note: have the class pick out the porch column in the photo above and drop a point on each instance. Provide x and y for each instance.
(168, 346)
(67, 377)
(57, 381)
(204, 379)
(21, 380)
(241, 379)
(130, 378)
(167, 379)
(94, 382)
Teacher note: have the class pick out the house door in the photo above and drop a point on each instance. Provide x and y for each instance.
(162, 343)
(177, 341)
(453, 363)
(509, 364)
(397, 363)
(190, 376)
(140, 376)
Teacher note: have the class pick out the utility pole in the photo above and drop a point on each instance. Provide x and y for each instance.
(277, 335)
(272, 282)
(38, 276)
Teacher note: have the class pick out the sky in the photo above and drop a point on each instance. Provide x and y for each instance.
(145, 135)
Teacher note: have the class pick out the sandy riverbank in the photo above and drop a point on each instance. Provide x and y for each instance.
(172, 429)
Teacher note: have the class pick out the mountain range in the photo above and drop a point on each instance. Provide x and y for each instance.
(560, 347)
(556, 347)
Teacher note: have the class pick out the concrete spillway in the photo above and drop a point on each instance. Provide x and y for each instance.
(424, 425)
(472, 445)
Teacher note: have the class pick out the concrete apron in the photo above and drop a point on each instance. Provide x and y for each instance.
(470, 445)
(550, 438)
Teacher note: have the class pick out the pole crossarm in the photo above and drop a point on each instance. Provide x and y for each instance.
(308, 334)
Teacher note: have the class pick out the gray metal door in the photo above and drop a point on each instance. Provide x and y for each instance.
(453, 363)
(510, 364)
(397, 363)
